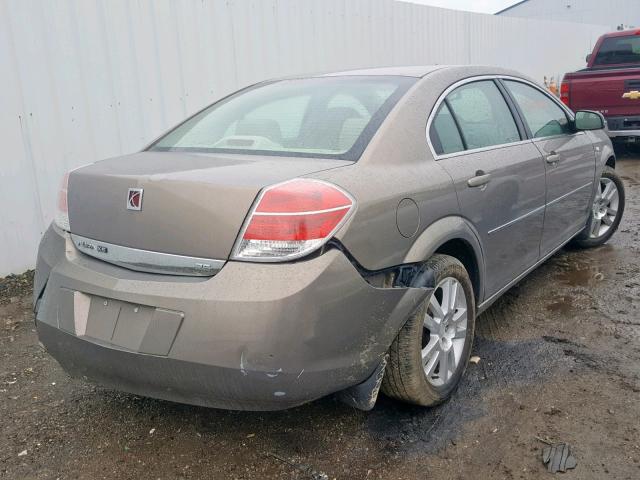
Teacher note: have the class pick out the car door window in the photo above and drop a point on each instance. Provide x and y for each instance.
(444, 133)
(544, 117)
(483, 115)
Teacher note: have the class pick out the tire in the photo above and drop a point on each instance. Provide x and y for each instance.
(589, 238)
(406, 377)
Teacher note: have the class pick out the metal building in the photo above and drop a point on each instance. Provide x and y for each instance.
(617, 14)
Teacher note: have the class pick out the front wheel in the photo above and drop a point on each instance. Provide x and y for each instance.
(606, 211)
(428, 357)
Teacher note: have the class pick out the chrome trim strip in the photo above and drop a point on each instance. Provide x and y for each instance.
(477, 150)
(590, 184)
(313, 212)
(147, 261)
(521, 217)
(487, 303)
(623, 133)
(464, 81)
(535, 210)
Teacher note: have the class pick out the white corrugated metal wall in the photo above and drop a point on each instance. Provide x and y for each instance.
(603, 12)
(84, 80)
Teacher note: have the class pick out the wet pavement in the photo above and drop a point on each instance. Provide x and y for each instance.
(559, 361)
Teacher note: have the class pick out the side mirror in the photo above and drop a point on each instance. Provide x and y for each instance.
(588, 120)
(588, 58)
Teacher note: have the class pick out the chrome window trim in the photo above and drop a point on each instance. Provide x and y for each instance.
(146, 260)
(478, 78)
(478, 150)
(571, 116)
(554, 99)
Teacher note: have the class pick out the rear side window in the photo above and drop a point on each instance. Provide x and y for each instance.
(616, 50)
(445, 136)
(483, 115)
(543, 116)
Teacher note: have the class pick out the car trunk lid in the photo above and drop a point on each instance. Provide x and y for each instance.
(192, 204)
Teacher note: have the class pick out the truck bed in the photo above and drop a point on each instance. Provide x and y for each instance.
(603, 89)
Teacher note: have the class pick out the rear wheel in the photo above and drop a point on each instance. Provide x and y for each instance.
(606, 211)
(430, 353)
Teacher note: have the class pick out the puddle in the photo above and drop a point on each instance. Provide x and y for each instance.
(563, 305)
(503, 365)
(629, 172)
(589, 268)
(581, 274)
(581, 277)
(630, 180)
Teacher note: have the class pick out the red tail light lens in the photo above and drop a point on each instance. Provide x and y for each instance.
(291, 219)
(62, 208)
(564, 93)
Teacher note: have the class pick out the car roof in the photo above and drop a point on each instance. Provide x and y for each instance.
(402, 71)
(415, 71)
(419, 71)
(622, 33)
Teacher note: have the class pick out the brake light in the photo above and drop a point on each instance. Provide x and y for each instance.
(564, 92)
(291, 219)
(62, 207)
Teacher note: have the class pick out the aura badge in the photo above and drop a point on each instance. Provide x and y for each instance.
(634, 95)
(134, 199)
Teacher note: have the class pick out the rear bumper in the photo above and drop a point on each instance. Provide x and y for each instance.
(253, 337)
(624, 133)
(178, 380)
(628, 126)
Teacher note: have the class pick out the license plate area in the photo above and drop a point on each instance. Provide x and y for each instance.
(139, 328)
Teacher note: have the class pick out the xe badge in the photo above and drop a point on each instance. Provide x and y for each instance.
(134, 199)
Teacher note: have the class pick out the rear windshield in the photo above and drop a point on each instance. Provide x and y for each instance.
(616, 50)
(326, 117)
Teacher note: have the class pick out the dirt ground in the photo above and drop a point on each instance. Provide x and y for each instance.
(560, 361)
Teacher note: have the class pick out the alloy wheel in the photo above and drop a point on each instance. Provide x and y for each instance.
(444, 332)
(605, 208)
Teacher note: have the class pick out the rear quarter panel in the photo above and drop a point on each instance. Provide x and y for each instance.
(398, 164)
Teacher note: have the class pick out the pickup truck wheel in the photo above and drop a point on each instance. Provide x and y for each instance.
(606, 211)
(430, 353)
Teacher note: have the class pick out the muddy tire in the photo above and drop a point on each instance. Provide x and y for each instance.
(430, 353)
(606, 211)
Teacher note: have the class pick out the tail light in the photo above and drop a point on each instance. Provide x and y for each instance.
(62, 207)
(564, 92)
(291, 219)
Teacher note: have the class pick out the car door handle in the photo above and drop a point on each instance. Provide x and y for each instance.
(479, 180)
(553, 157)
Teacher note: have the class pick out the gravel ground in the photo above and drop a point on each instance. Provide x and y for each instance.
(560, 361)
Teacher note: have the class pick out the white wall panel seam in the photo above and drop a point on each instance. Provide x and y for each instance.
(97, 78)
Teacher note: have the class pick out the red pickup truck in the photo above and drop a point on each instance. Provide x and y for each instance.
(610, 84)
